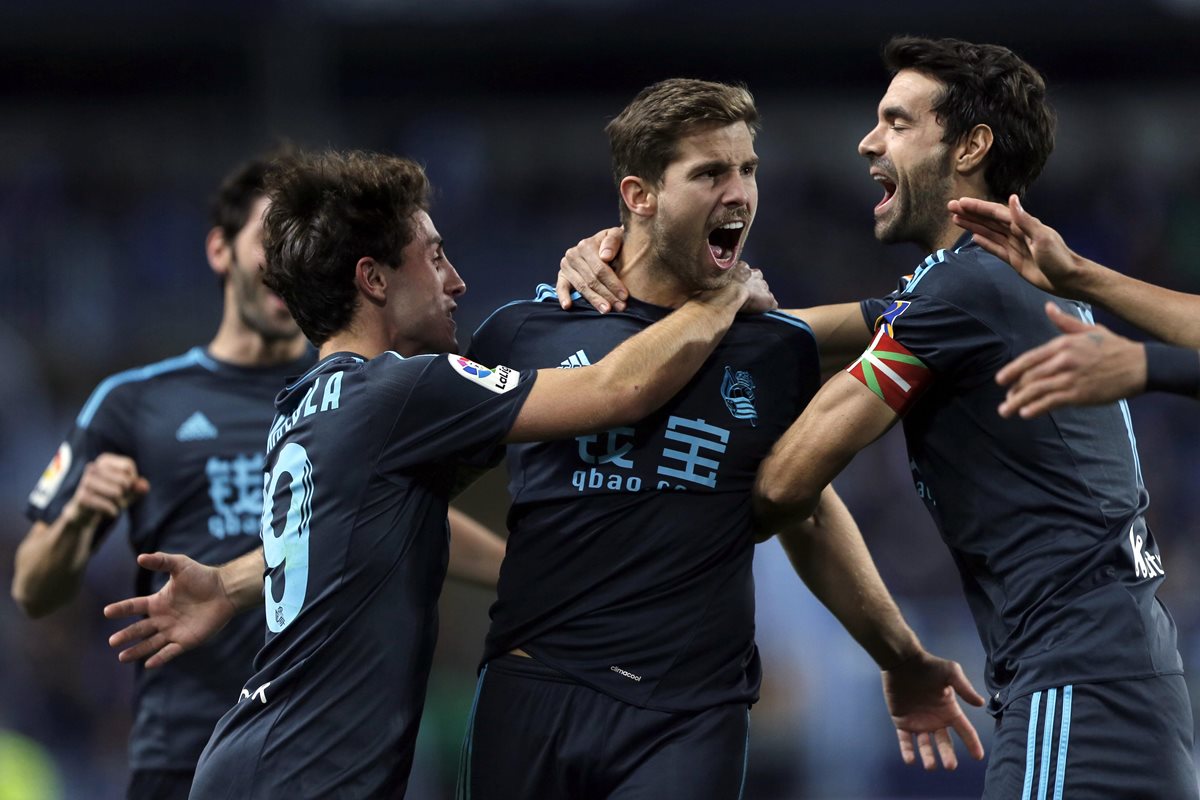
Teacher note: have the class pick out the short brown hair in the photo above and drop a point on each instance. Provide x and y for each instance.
(644, 136)
(990, 85)
(327, 211)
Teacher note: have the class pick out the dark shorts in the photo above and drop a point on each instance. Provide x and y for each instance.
(534, 732)
(159, 784)
(1123, 739)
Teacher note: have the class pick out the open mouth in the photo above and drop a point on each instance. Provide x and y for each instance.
(723, 242)
(889, 190)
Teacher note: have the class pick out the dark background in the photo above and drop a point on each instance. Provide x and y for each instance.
(118, 120)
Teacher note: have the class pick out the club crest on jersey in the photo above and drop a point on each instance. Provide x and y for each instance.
(52, 477)
(498, 379)
(888, 318)
(889, 370)
(737, 389)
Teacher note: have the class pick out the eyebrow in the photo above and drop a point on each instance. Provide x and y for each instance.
(721, 165)
(897, 112)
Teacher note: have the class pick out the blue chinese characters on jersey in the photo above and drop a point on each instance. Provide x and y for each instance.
(195, 427)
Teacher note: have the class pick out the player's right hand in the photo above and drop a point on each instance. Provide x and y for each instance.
(921, 697)
(761, 298)
(190, 608)
(1034, 249)
(585, 269)
(109, 484)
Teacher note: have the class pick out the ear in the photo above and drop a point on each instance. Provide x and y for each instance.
(973, 149)
(371, 279)
(639, 196)
(219, 252)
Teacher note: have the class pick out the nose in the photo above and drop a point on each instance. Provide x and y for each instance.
(738, 192)
(871, 145)
(454, 284)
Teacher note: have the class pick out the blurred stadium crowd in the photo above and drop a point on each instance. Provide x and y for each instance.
(110, 149)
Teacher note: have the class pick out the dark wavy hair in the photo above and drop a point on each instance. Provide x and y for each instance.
(990, 85)
(328, 210)
(643, 137)
(229, 208)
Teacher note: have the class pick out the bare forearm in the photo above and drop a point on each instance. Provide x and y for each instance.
(840, 331)
(475, 551)
(1163, 313)
(49, 563)
(653, 366)
(242, 580)
(828, 553)
(842, 419)
(633, 380)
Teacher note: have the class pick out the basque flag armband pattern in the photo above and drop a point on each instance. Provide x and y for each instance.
(889, 370)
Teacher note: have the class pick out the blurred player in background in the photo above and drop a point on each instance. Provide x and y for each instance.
(180, 445)
(1088, 364)
(361, 460)
(621, 660)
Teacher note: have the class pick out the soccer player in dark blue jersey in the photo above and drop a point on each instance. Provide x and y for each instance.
(179, 444)
(621, 660)
(1087, 364)
(361, 462)
(1044, 517)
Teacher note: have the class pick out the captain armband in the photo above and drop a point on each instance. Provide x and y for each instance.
(1172, 369)
(889, 370)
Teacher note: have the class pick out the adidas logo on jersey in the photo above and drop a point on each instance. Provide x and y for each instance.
(195, 428)
(576, 359)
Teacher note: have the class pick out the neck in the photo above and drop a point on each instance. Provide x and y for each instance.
(646, 277)
(367, 335)
(237, 344)
(945, 238)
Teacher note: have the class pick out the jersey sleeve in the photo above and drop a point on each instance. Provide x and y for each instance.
(104, 425)
(458, 410)
(946, 336)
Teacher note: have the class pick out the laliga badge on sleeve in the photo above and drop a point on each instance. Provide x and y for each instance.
(497, 379)
(52, 477)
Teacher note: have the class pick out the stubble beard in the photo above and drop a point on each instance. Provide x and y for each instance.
(678, 259)
(923, 215)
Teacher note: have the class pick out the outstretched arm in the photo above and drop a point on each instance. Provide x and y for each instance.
(198, 600)
(1040, 255)
(638, 376)
(839, 329)
(1091, 365)
(829, 554)
(50, 560)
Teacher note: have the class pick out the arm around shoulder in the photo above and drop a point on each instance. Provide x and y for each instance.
(633, 380)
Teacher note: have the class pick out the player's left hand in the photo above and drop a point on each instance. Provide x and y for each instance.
(586, 269)
(920, 695)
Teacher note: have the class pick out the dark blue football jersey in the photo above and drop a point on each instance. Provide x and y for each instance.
(195, 428)
(359, 468)
(1044, 517)
(629, 552)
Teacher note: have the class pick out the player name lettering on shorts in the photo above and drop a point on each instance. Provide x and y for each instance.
(626, 674)
(331, 397)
